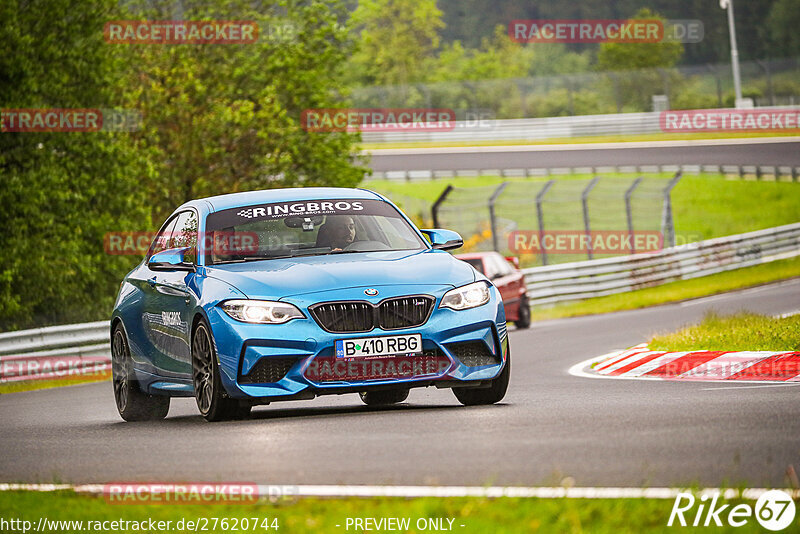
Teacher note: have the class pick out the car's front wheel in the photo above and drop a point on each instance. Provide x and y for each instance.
(382, 398)
(132, 403)
(490, 395)
(524, 314)
(212, 401)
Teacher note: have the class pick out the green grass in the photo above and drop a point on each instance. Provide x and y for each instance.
(677, 291)
(31, 385)
(741, 331)
(711, 206)
(704, 206)
(478, 515)
(582, 140)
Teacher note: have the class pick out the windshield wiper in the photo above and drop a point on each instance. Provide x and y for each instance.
(294, 254)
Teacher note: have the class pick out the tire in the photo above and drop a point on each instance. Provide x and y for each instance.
(490, 395)
(383, 398)
(132, 403)
(209, 393)
(524, 314)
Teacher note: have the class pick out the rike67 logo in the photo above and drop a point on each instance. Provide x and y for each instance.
(774, 510)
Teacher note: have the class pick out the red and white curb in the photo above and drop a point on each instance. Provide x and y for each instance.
(641, 363)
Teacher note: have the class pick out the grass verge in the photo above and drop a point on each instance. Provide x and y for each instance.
(740, 331)
(704, 206)
(312, 515)
(677, 291)
(30, 385)
(583, 140)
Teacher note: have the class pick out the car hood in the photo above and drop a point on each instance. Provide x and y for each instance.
(275, 279)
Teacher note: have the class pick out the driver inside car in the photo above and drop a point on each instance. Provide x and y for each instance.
(338, 232)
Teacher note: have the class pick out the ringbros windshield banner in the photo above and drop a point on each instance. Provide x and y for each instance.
(302, 209)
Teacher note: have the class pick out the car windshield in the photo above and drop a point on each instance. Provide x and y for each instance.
(306, 228)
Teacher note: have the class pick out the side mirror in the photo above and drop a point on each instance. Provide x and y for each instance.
(513, 260)
(171, 259)
(443, 239)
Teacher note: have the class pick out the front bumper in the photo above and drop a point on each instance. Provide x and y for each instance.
(303, 354)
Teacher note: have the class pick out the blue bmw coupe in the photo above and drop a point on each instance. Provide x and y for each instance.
(286, 294)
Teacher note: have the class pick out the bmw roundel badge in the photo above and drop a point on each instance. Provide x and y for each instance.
(370, 292)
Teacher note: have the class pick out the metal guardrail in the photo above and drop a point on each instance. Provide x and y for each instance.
(63, 351)
(744, 172)
(608, 276)
(537, 129)
(55, 352)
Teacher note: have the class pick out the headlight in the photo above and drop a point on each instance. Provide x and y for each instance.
(466, 297)
(261, 311)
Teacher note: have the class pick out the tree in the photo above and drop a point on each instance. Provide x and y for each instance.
(650, 62)
(223, 118)
(398, 40)
(632, 56)
(61, 192)
(782, 24)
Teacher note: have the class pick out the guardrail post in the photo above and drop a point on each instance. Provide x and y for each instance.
(435, 207)
(628, 213)
(540, 217)
(758, 172)
(667, 224)
(585, 205)
(492, 217)
(794, 174)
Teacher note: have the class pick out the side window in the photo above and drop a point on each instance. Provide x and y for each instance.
(505, 267)
(185, 235)
(161, 242)
(490, 267)
(394, 231)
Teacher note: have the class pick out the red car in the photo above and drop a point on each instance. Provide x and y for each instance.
(509, 280)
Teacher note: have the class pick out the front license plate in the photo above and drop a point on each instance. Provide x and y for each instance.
(378, 346)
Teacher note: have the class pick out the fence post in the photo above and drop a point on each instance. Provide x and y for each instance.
(435, 207)
(585, 205)
(540, 217)
(492, 218)
(628, 213)
(719, 83)
(764, 64)
(667, 224)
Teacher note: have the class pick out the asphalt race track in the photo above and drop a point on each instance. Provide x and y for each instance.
(726, 152)
(551, 425)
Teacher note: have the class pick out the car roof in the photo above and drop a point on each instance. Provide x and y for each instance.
(264, 196)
